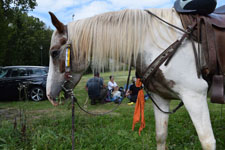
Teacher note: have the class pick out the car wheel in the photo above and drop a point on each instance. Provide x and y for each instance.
(37, 94)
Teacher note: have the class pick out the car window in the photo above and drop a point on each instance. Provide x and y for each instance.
(18, 72)
(14, 73)
(23, 72)
(37, 71)
(3, 72)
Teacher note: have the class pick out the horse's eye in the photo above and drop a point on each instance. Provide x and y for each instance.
(55, 53)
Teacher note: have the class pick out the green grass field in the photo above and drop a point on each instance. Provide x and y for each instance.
(26, 125)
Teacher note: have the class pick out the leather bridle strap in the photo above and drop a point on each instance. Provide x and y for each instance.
(68, 58)
(152, 14)
(169, 52)
(167, 55)
(153, 67)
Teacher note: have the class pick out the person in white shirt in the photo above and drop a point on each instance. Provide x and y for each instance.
(112, 86)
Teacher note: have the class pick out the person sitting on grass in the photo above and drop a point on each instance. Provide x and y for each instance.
(132, 92)
(113, 90)
(96, 89)
(112, 85)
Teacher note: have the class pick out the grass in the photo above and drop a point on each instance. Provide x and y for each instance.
(40, 126)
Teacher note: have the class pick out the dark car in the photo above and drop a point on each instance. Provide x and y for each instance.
(21, 81)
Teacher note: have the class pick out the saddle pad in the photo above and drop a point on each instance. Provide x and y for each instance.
(220, 10)
(217, 20)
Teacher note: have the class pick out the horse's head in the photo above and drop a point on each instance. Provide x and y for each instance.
(56, 75)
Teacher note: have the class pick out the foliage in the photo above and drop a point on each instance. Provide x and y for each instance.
(23, 5)
(24, 39)
(49, 128)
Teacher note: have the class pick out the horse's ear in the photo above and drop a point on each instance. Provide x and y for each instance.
(59, 25)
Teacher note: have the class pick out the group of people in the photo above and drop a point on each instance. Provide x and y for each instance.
(98, 91)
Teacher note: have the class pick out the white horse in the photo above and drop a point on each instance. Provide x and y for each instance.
(134, 35)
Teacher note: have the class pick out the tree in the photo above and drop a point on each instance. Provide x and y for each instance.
(23, 5)
(25, 39)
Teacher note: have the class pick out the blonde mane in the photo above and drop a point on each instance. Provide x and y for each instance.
(114, 37)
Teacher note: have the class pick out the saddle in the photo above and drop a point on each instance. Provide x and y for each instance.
(210, 32)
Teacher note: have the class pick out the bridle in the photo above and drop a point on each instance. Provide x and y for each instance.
(68, 85)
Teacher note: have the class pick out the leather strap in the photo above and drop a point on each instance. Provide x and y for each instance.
(217, 90)
(154, 66)
(212, 49)
(152, 14)
(197, 63)
(169, 52)
(165, 55)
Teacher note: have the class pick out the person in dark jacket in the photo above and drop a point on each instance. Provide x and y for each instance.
(96, 89)
(132, 92)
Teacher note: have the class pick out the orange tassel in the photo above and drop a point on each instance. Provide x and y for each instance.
(139, 108)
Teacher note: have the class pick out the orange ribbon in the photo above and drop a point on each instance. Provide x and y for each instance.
(139, 108)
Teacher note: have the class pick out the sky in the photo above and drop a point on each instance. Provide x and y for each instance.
(66, 9)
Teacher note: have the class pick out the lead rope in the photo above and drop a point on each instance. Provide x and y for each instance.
(73, 123)
(69, 91)
(169, 112)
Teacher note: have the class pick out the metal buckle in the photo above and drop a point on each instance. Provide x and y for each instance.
(67, 86)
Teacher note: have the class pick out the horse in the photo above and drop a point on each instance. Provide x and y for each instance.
(135, 38)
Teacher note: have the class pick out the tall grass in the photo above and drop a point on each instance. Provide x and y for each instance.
(49, 128)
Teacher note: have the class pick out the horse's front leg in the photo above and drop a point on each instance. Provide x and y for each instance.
(197, 107)
(161, 121)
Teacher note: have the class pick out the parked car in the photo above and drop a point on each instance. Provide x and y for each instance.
(21, 81)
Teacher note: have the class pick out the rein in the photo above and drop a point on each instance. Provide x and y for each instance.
(152, 14)
(166, 56)
(68, 89)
